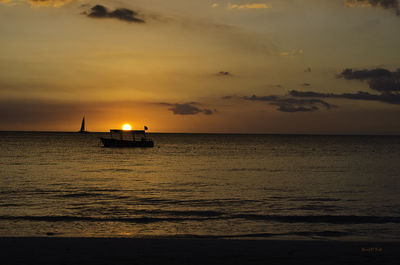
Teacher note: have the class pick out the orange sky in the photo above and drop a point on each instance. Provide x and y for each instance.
(201, 66)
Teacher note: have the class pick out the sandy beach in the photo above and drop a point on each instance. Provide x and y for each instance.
(58, 250)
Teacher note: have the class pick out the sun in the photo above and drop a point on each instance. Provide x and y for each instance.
(126, 127)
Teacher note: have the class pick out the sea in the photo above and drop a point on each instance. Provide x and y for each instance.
(238, 186)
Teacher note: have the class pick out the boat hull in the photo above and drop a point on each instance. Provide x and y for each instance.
(110, 142)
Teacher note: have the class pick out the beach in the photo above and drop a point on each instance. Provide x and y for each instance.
(58, 250)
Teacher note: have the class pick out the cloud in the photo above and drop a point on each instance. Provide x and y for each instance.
(308, 70)
(379, 79)
(124, 14)
(223, 73)
(47, 3)
(388, 84)
(292, 52)
(248, 6)
(365, 3)
(187, 108)
(207, 112)
(350, 74)
(360, 95)
(386, 4)
(285, 104)
(228, 97)
(305, 84)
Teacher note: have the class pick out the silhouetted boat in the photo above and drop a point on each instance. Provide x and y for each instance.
(127, 138)
(82, 130)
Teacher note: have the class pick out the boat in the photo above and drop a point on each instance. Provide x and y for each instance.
(83, 129)
(127, 138)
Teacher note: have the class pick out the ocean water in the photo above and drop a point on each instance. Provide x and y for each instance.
(201, 185)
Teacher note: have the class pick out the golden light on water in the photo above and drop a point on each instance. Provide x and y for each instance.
(126, 127)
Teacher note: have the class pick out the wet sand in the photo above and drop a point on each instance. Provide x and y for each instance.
(53, 250)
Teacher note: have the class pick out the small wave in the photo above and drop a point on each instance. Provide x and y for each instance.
(331, 219)
(59, 218)
(248, 169)
(315, 199)
(328, 233)
(81, 194)
(107, 170)
(181, 213)
(11, 205)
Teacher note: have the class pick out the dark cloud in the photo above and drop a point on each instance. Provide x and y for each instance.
(307, 94)
(382, 80)
(292, 104)
(360, 95)
(379, 79)
(350, 74)
(186, 108)
(308, 70)
(293, 108)
(386, 4)
(223, 73)
(207, 112)
(263, 98)
(389, 84)
(99, 11)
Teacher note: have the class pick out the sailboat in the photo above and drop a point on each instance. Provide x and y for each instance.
(82, 130)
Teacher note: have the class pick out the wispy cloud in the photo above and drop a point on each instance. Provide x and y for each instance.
(224, 73)
(292, 52)
(386, 4)
(47, 3)
(288, 104)
(360, 95)
(249, 6)
(186, 108)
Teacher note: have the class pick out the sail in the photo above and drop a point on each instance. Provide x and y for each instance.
(83, 125)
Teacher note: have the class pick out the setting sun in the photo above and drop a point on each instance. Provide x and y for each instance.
(126, 127)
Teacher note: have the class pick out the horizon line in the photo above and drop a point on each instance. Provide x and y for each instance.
(222, 133)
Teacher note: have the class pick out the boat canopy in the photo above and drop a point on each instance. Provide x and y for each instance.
(127, 131)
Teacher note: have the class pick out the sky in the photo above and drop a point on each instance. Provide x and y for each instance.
(208, 66)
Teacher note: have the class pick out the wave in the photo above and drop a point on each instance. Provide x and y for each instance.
(327, 233)
(331, 219)
(180, 213)
(68, 218)
(181, 216)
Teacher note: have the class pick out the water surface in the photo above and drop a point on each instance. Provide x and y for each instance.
(209, 185)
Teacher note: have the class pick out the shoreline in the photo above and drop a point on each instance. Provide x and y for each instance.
(75, 250)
